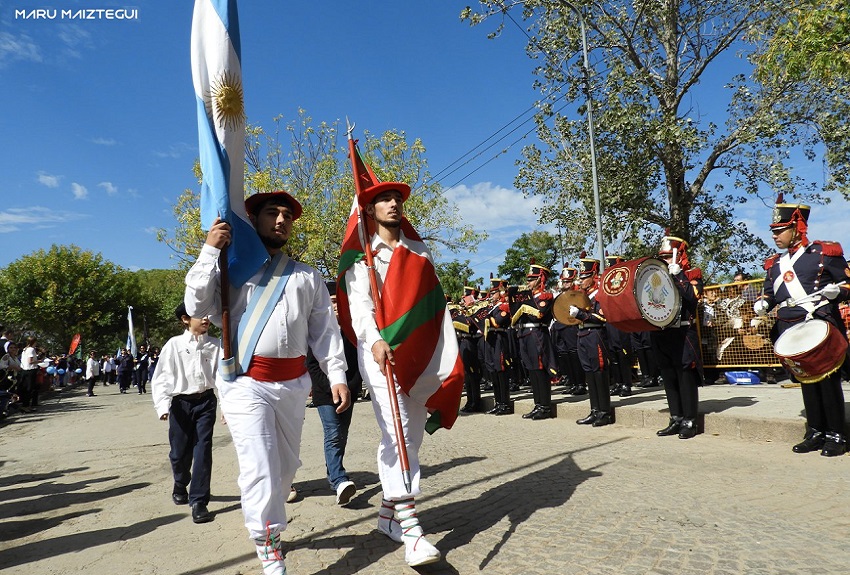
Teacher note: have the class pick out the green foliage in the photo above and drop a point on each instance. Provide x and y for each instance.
(813, 42)
(540, 247)
(64, 291)
(307, 160)
(454, 276)
(56, 294)
(661, 165)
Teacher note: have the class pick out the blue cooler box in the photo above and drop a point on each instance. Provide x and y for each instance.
(742, 378)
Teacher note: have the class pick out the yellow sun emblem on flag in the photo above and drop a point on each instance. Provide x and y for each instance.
(226, 102)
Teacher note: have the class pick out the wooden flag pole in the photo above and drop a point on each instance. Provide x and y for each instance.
(224, 288)
(379, 319)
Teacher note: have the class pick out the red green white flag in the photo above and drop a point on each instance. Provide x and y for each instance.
(415, 322)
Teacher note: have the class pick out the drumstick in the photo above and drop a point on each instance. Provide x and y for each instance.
(812, 295)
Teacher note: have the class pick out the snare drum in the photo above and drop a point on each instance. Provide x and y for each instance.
(812, 350)
(639, 295)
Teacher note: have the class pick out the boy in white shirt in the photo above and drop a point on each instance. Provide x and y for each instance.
(183, 394)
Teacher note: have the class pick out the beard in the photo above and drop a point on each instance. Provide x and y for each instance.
(389, 223)
(272, 242)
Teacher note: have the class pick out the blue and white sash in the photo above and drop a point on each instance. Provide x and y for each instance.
(260, 308)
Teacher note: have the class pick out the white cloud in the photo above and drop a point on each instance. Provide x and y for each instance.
(75, 38)
(491, 208)
(48, 180)
(104, 141)
(15, 48)
(80, 191)
(177, 150)
(110, 188)
(17, 219)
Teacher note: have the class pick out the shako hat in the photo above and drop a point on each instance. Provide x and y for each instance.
(669, 243)
(612, 260)
(253, 203)
(785, 215)
(587, 266)
(569, 274)
(538, 271)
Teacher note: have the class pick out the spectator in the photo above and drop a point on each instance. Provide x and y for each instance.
(29, 371)
(125, 370)
(92, 371)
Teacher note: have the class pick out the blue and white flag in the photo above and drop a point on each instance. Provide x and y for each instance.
(217, 77)
(131, 337)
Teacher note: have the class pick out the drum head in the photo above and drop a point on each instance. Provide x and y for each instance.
(657, 296)
(801, 338)
(562, 303)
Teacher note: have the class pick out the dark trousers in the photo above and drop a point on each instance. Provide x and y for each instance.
(681, 384)
(90, 381)
(29, 388)
(824, 403)
(191, 419)
(124, 378)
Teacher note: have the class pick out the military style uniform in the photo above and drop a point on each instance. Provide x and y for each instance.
(593, 348)
(497, 352)
(565, 342)
(531, 319)
(806, 268)
(677, 347)
(468, 337)
(620, 349)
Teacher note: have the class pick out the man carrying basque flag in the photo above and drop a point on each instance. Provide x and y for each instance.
(404, 330)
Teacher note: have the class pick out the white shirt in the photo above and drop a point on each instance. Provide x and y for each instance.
(92, 368)
(108, 365)
(302, 318)
(360, 294)
(29, 359)
(186, 365)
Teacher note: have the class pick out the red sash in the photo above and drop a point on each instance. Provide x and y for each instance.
(276, 368)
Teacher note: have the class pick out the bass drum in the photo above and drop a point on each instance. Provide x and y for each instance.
(563, 301)
(812, 350)
(639, 295)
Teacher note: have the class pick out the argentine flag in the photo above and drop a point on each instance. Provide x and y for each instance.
(131, 334)
(217, 77)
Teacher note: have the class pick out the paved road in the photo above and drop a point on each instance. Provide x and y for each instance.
(85, 488)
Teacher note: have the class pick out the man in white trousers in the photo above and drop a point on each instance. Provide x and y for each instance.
(264, 406)
(397, 515)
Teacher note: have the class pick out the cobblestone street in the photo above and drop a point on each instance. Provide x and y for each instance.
(85, 488)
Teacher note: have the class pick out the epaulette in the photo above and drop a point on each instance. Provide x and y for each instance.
(830, 248)
(545, 296)
(693, 274)
(769, 262)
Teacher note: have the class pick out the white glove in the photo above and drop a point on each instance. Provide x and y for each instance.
(760, 307)
(831, 291)
(674, 269)
(573, 311)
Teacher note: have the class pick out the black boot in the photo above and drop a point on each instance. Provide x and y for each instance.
(544, 412)
(604, 418)
(687, 429)
(579, 390)
(625, 390)
(813, 441)
(672, 428)
(505, 409)
(533, 412)
(589, 419)
(835, 444)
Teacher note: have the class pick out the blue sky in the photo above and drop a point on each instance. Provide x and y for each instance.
(100, 134)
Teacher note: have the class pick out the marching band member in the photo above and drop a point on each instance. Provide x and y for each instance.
(531, 320)
(565, 342)
(497, 354)
(468, 337)
(621, 348)
(805, 268)
(677, 348)
(593, 347)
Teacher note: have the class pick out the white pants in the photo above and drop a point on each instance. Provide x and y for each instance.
(413, 416)
(265, 420)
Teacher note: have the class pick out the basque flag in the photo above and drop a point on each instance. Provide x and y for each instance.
(217, 77)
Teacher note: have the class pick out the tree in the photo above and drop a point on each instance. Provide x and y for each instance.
(56, 294)
(537, 246)
(661, 164)
(160, 292)
(313, 167)
(814, 43)
(454, 276)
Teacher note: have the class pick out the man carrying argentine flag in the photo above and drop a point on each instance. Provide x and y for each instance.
(281, 306)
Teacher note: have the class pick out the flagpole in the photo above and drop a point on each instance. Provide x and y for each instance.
(379, 318)
(224, 295)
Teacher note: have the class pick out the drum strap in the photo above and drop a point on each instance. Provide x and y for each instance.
(794, 287)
